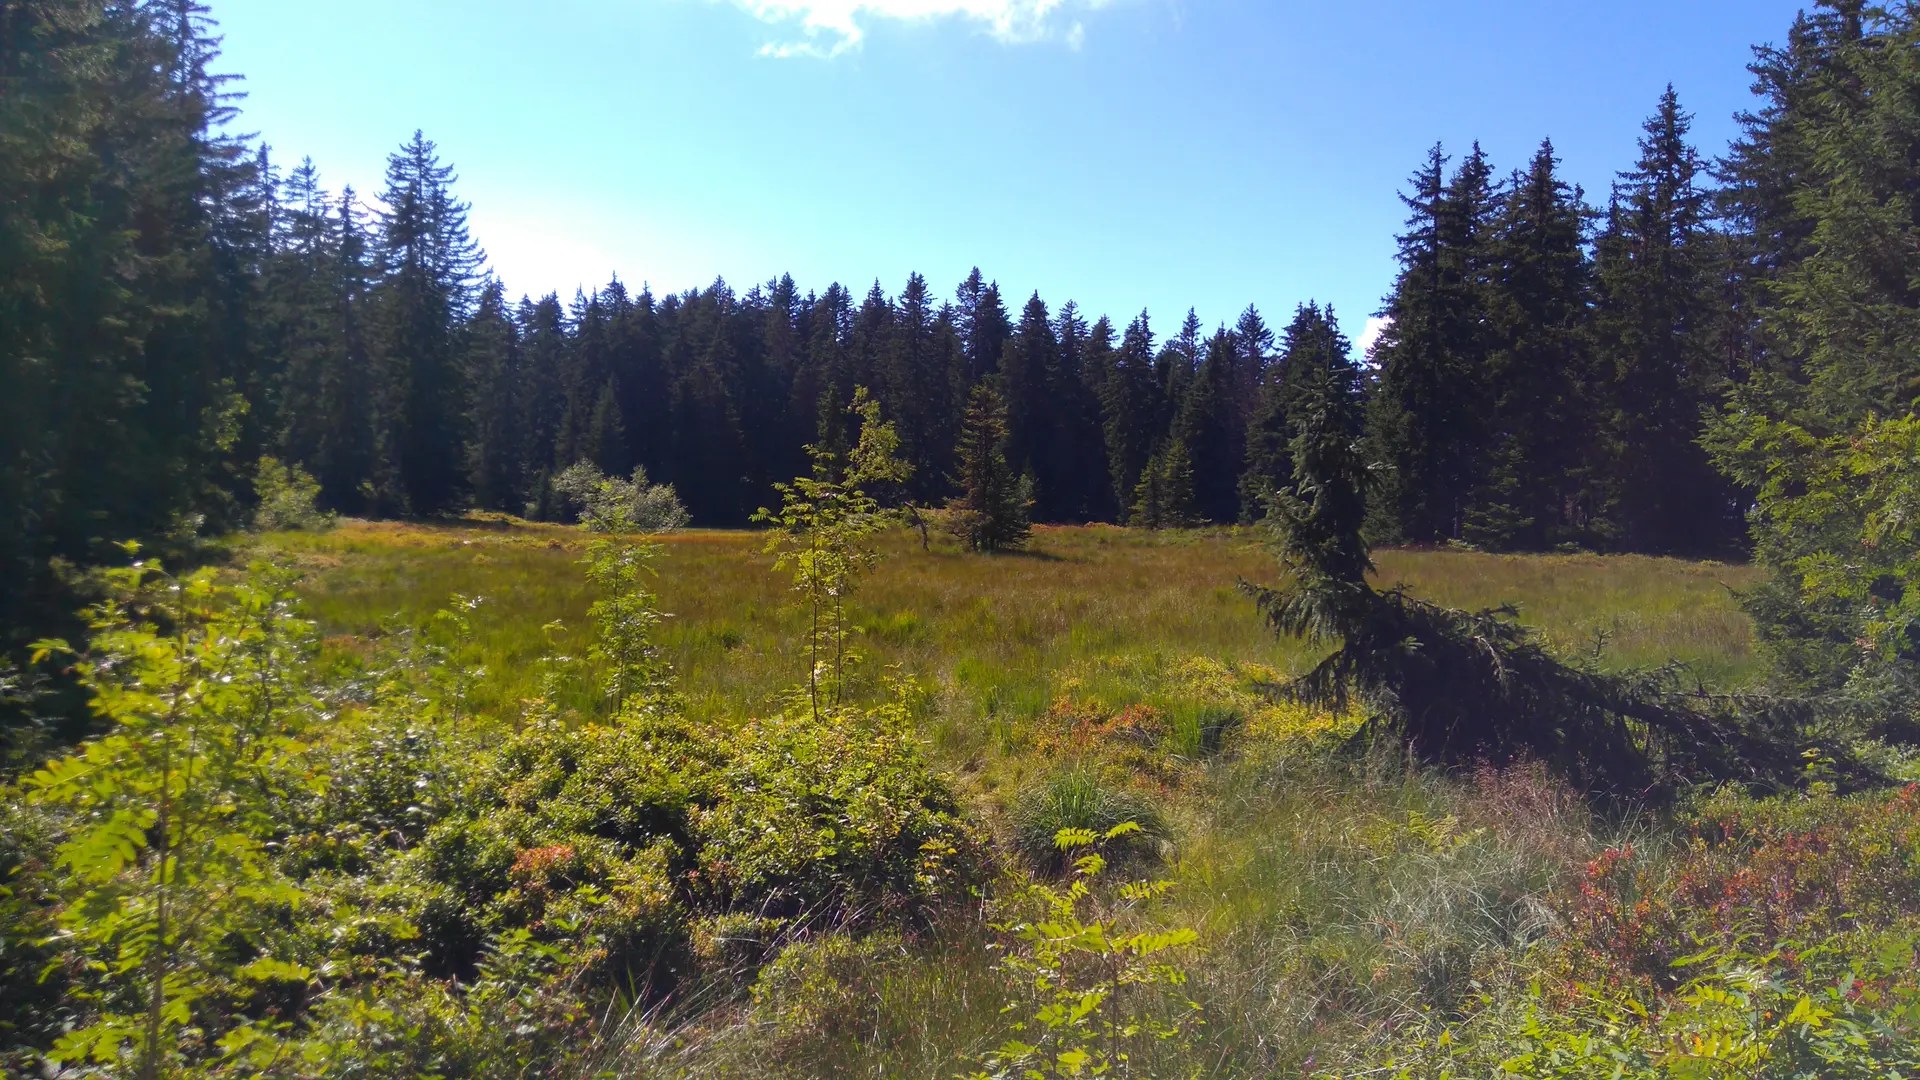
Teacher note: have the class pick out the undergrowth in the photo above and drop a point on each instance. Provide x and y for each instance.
(554, 834)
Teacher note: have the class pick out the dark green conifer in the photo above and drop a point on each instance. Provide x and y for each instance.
(1823, 182)
(1426, 416)
(1657, 320)
(1538, 486)
(606, 442)
(1083, 489)
(918, 370)
(980, 319)
(1312, 347)
(496, 465)
(991, 512)
(1027, 364)
(1130, 405)
(427, 264)
(1163, 499)
(130, 226)
(1204, 424)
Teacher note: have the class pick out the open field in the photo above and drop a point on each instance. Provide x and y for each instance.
(996, 636)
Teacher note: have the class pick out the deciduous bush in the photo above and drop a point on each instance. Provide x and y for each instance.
(610, 504)
(1748, 870)
(288, 499)
(1103, 988)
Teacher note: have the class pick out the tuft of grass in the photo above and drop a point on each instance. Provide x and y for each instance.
(1078, 797)
(1197, 731)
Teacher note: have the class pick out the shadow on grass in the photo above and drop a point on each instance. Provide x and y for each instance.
(1033, 556)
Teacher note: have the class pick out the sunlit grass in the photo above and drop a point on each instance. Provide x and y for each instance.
(992, 634)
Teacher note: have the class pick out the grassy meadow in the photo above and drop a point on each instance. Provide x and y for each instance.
(1338, 899)
(996, 636)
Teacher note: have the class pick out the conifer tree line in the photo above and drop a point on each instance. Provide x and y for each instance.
(1545, 381)
(174, 305)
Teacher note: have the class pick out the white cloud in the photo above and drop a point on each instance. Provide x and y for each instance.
(1370, 337)
(832, 27)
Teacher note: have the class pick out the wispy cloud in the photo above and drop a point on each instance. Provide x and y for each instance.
(1377, 326)
(829, 28)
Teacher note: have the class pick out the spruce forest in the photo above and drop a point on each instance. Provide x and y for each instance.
(404, 677)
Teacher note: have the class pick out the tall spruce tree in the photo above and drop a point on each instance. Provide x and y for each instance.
(586, 372)
(710, 447)
(546, 345)
(1130, 406)
(1538, 487)
(1427, 413)
(643, 382)
(1079, 489)
(123, 268)
(916, 367)
(300, 322)
(347, 452)
(428, 264)
(1769, 229)
(980, 318)
(1313, 351)
(1204, 425)
(1823, 185)
(496, 462)
(1027, 363)
(1175, 369)
(1659, 313)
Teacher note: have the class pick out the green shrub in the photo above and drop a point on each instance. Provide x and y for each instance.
(1848, 1011)
(521, 1016)
(824, 990)
(1103, 994)
(637, 830)
(1746, 869)
(165, 886)
(834, 818)
(1080, 799)
(288, 499)
(608, 504)
(1776, 939)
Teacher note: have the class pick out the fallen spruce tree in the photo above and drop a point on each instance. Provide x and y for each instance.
(1461, 687)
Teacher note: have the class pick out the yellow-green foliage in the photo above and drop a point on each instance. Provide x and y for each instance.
(1098, 979)
(165, 884)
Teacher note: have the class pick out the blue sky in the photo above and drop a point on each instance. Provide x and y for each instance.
(1125, 153)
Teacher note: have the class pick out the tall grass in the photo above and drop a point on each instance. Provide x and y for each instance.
(991, 635)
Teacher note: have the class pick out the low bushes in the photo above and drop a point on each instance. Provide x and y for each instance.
(365, 879)
(633, 835)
